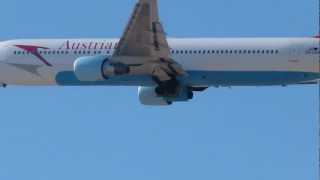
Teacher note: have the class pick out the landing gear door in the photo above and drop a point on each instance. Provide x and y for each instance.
(312, 53)
(295, 54)
(296, 58)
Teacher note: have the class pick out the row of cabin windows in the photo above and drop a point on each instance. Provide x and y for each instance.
(173, 52)
(225, 52)
(60, 52)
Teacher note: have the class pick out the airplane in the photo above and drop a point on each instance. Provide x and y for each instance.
(166, 70)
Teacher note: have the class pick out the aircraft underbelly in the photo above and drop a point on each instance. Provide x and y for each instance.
(202, 78)
(206, 71)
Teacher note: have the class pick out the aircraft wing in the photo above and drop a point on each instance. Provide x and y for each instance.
(144, 47)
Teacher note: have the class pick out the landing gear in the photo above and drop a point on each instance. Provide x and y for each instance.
(4, 85)
(190, 94)
(168, 88)
(173, 91)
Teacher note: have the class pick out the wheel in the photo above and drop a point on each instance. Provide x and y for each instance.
(190, 95)
(169, 102)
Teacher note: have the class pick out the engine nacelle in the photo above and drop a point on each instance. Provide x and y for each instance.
(97, 68)
(148, 96)
(89, 68)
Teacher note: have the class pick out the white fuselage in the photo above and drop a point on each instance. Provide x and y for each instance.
(208, 61)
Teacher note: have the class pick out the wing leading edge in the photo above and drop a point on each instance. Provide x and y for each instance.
(144, 35)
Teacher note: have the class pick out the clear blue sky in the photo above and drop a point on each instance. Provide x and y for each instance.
(63, 133)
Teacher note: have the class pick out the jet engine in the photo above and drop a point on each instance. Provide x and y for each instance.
(149, 96)
(98, 68)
